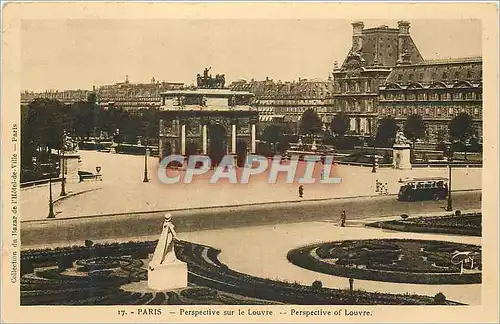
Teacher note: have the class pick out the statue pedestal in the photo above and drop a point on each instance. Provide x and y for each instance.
(71, 162)
(401, 156)
(168, 276)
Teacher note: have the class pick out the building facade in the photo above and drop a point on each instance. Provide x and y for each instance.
(436, 90)
(67, 96)
(285, 102)
(134, 96)
(374, 52)
(121, 95)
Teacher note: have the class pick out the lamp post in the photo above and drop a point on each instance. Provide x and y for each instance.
(62, 167)
(449, 205)
(374, 167)
(51, 203)
(145, 162)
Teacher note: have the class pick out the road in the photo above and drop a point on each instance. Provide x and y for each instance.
(122, 189)
(128, 225)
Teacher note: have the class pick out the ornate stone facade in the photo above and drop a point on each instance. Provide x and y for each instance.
(369, 62)
(437, 90)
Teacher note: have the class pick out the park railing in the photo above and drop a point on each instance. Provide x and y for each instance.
(37, 183)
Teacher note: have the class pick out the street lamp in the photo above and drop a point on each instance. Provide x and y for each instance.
(145, 162)
(374, 167)
(51, 203)
(449, 206)
(62, 167)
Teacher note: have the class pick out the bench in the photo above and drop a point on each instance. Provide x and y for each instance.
(91, 177)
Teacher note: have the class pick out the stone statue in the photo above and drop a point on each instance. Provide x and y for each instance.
(198, 80)
(69, 145)
(164, 252)
(165, 271)
(400, 139)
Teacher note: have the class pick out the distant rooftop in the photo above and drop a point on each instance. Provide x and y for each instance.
(206, 92)
(474, 59)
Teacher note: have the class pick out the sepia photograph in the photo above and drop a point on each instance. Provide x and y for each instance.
(200, 166)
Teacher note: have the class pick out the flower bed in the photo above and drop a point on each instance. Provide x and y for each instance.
(214, 282)
(466, 224)
(391, 260)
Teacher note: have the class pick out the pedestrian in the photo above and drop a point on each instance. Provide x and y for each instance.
(301, 191)
(342, 219)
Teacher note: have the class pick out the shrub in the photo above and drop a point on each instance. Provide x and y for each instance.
(439, 299)
(89, 243)
(317, 284)
(387, 159)
(458, 213)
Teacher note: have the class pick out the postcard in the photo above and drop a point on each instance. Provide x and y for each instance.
(249, 162)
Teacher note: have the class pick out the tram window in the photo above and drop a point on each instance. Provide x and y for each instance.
(427, 185)
(440, 184)
(420, 185)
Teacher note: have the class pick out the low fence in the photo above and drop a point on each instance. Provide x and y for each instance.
(37, 183)
(415, 165)
(445, 165)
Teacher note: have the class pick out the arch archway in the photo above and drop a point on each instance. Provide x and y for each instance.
(217, 147)
(192, 148)
(241, 152)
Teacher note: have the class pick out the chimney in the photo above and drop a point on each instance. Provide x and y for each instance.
(403, 42)
(357, 35)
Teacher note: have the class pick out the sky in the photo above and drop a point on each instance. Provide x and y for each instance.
(77, 54)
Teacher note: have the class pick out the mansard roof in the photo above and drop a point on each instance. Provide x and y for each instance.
(433, 72)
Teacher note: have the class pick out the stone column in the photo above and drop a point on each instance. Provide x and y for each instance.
(204, 138)
(233, 139)
(352, 124)
(183, 139)
(253, 139)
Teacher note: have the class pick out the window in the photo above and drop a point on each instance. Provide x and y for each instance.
(410, 77)
(421, 76)
(457, 75)
(400, 77)
(457, 96)
(469, 74)
(445, 75)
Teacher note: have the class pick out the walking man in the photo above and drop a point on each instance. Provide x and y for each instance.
(301, 191)
(342, 219)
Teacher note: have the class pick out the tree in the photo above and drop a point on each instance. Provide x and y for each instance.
(414, 128)
(386, 132)
(273, 134)
(43, 123)
(340, 124)
(310, 123)
(462, 129)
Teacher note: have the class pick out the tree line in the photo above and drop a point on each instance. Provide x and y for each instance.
(43, 122)
(461, 131)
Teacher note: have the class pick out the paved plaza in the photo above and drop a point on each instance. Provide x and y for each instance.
(256, 250)
(122, 189)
